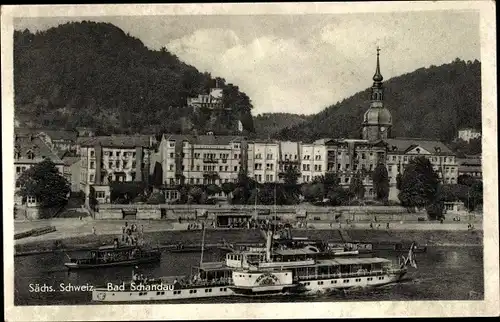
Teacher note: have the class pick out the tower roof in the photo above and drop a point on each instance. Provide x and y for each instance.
(378, 76)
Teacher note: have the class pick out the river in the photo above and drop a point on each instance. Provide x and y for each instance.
(444, 273)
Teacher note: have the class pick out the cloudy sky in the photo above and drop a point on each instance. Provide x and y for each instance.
(302, 63)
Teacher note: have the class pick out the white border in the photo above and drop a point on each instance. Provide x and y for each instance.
(488, 307)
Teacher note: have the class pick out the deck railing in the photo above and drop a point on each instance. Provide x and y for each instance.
(346, 275)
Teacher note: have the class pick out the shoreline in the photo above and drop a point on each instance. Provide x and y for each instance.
(215, 238)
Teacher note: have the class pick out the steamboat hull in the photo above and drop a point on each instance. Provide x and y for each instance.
(105, 295)
(145, 260)
(268, 290)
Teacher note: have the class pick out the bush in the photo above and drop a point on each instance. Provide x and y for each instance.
(156, 198)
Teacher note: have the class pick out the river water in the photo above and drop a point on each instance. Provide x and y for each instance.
(444, 273)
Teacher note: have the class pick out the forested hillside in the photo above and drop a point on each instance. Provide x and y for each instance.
(268, 124)
(429, 102)
(93, 74)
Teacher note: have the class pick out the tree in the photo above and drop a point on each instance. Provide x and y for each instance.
(44, 182)
(212, 189)
(157, 177)
(313, 191)
(466, 179)
(419, 184)
(195, 194)
(339, 196)
(290, 187)
(228, 188)
(156, 198)
(126, 192)
(380, 179)
(356, 187)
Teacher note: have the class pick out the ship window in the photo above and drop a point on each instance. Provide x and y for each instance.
(206, 290)
(221, 289)
(333, 282)
(320, 283)
(346, 281)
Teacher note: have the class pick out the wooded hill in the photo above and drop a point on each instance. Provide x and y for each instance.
(93, 74)
(429, 102)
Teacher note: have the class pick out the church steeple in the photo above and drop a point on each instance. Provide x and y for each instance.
(377, 88)
(377, 120)
(378, 76)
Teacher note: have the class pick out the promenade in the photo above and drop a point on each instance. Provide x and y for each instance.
(73, 227)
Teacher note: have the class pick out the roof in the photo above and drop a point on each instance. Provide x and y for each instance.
(70, 160)
(53, 134)
(40, 149)
(204, 139)
(213, 266)
(469, 162)
(119, 141)
(287, 252)
(353, 261)
(470, 169)
(404, 145)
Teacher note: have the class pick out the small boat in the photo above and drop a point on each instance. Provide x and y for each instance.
(114, 255)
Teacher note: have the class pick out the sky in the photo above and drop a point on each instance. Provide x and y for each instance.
(301, 63)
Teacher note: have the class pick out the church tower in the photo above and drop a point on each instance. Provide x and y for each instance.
(377, 121)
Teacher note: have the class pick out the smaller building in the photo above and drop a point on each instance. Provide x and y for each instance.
(58, 141)
(471, 166)
(72, 172)
(29, 151)
(212, 100)
(468, 134)
(400, 151)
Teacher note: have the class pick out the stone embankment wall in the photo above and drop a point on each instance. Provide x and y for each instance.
(285, 213)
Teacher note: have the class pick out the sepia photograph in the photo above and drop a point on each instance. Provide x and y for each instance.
(252, 155)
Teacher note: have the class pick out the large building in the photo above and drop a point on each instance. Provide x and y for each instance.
(28, 151)
(105, 159)
(201, 159)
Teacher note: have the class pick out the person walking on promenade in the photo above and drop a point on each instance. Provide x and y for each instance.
(387, 225)
(371, 225)
(142, 229)
(93, 230)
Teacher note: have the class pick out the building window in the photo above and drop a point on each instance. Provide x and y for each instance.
(92, 164)
(318, 157)
(91, 178)
(117, 163)
(269, 156)
(31, 199)
(92, 153)
(133, 164)
(117, 153)
(346, 180)
(18, 169)
(171, 144)
(235, 168)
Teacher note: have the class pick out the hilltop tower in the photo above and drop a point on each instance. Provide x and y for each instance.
(377, 121)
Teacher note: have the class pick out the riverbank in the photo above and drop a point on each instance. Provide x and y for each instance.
(217, 237)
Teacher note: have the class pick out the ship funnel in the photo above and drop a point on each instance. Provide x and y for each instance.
(269, 240)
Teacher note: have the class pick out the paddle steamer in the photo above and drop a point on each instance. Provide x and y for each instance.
(114, 255)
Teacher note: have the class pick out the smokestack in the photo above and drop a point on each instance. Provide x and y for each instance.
(269, 239)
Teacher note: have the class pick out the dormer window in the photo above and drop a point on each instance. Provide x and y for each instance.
(30, 154)
(418, 150)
